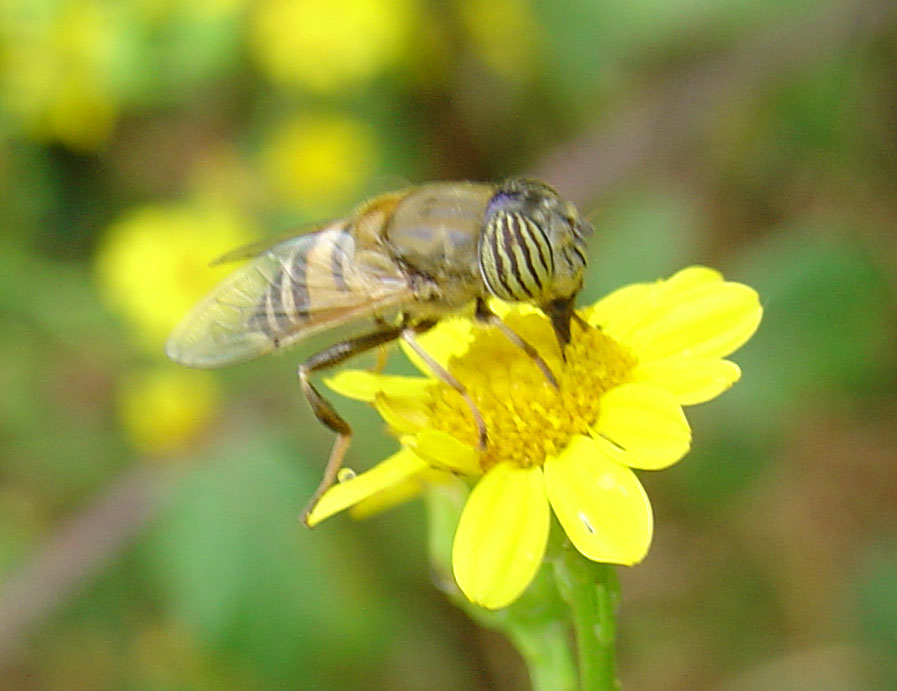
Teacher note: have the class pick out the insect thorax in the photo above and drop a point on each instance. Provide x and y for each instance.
(434, 233)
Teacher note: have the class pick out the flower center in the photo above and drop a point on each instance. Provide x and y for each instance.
(526, 417)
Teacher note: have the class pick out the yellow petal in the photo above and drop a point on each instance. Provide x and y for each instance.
(600, 504)
(642, 426)
(399, 493)
(690, 277)
(633, 306)
(385, 474)
(362, 385)
(619, 310)
(690, 380)
(448, 338)
(401, 401)
(708, 320)
(443, 451)
(404, 416)
(501, 535)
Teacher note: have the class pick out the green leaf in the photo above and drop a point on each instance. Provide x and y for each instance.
(826, 321)
(243, 574)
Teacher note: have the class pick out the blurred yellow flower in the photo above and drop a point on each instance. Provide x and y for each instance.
(162, 409)
(318, 162)
(642, 353)
(58, 64)
(326, 46)
(153, 264)
(504, 33)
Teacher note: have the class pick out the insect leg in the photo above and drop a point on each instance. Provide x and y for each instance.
(409, 336)
(380, 364)
(324, 411)
(487, 316)
(382, 353)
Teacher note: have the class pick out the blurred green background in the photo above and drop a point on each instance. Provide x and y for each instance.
(148, 532)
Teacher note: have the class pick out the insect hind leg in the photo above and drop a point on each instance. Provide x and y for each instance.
(324, 411)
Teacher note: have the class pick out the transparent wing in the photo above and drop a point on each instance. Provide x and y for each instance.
(289, 292)
(254, 249)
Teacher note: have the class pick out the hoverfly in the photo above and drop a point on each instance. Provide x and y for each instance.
(403, 260)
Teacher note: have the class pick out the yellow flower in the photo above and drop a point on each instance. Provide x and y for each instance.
(58, 65)
(162, 409)
(328, 45)
(153, 264)
(505, 34)
(318, 162)
(645, 351)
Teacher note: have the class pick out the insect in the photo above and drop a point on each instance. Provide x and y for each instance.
(402, 260)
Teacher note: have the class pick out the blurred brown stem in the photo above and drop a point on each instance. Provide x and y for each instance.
(78, 550)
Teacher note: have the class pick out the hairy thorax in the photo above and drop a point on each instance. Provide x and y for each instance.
(433, 232)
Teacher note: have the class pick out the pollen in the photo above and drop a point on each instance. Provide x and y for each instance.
(527, 419)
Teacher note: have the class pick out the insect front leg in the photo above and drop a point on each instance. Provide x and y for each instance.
(409, 336)
(486, 316)
(322, 408)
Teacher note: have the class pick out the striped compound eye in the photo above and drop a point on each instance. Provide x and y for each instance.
(515, 257)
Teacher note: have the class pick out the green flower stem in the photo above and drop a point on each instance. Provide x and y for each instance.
(546, 651)
(537, 625)
(592, 591)
(543, 643)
